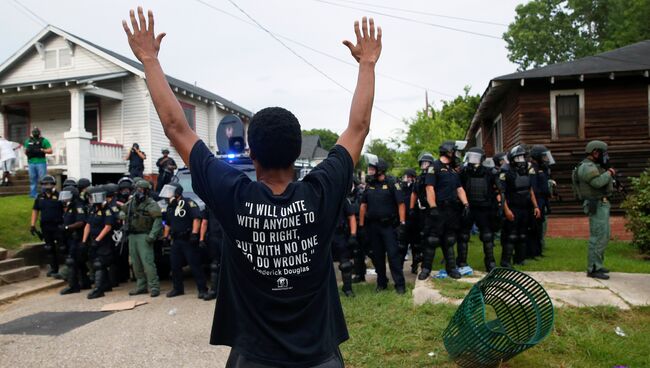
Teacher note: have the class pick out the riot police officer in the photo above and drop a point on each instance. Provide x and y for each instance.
(595, 183)
(344, 241)
(447, 202)
(125, 187)
(541, 161)
(211, 239)
(74, 222)
(518, 204)
(82, 185)
(98, 233)
(412, 234)
(419, 210)
(500, 159)
(482, 193)
(143, 224)
(182, 226)
(381, 206)
(49, 207)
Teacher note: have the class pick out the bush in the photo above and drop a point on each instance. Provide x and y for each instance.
(637, 208)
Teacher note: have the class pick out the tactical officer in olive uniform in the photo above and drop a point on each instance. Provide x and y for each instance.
(74, 222)
(182, 225)
(482, 193)
(381, 206)
(448, 203)
(49, 207)
(518, 204)
(98, 233)
(211, 240)
(143, 224)
(595, 184)
(419, 211)
(541, 161)
(346, 229)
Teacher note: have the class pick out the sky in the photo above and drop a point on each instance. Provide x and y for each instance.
(213, 44)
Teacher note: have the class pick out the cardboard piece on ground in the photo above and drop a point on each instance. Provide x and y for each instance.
(122, 306)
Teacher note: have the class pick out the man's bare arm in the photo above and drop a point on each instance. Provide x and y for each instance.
(145, 46)
(366, 52)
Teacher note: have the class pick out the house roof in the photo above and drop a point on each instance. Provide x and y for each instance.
(311, 148)
(634, 57)
(628, 59)
(124, 62)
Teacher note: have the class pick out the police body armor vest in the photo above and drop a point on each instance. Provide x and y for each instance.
(141, 221)
(518, 189)
(589, 192)
(34, 147)
(478, 193)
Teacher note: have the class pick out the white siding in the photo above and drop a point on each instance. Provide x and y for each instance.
(111, 113)
(136, 118)
(32, 67)
(52, 116)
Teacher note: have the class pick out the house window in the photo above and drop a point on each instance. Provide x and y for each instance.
(479, 138)
(567, 114)
(497, 132)
(58, 58)
(91, 122)
(17, 122)
(190, 114)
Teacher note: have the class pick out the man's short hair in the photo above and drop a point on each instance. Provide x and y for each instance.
(274, 138)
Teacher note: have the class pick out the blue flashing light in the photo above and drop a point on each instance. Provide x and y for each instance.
(231, 155)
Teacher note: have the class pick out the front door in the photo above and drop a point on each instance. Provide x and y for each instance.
(17, 123)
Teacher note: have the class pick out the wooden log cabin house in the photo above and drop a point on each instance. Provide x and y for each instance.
(563, 106)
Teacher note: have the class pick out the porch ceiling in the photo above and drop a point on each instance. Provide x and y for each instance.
(44, 86)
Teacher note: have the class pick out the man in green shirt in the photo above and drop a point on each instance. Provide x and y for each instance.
(595, 184)
(36, 147)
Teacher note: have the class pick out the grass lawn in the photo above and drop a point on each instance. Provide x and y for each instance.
(387, 330)
(15, 218)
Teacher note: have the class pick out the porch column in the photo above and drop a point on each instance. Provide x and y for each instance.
(77, 139)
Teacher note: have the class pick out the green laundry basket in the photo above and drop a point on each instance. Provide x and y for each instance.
(524, 317)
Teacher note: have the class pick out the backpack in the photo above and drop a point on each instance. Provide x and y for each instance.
(575, 183)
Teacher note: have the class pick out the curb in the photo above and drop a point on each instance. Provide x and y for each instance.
(32, 290)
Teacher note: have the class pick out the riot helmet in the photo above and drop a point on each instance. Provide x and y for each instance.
(82, 184)
(542, 155)
(601, 148)
(142, 188)
(474, 156)
(517, 157)
(450, 150)
(47, 183)
(164, 151)
(125, 186)
(425, 160)
(69, 182)
(171, 190)
(111, 189)
(500, 159)
(97, 195)
(68, 194)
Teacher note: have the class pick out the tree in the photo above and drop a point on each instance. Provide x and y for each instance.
(327, 137)
(552, 31)
(381, 149)
(426, 132)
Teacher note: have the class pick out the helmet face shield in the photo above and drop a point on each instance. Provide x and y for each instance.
(548, 158)
(98, 198)
(473, 158)
(519, 159)
(424, 165)
(65, 196)
(167, 191)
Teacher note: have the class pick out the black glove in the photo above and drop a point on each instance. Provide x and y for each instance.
(194, 239)
(32, 229)
(94, 243)
(466, 212)
(61, 228)
(353, 244)
(434, 213)
(412, 214)
(203, 244)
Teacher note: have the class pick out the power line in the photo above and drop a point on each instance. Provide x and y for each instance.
(410, 19)
(303, 59)
(30, 14)
(324, 53)
(425, 13)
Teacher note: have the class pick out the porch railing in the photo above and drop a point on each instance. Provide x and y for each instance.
(106, 153)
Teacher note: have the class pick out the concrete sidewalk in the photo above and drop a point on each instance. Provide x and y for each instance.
(622, 290)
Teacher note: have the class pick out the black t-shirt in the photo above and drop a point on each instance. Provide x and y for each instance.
(278, 299)
(382, 199)
(445, 181)
(180, 215)
(99, 217)
(75, 212)
(50, 207)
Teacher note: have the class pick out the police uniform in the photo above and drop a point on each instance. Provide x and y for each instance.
(515, 185)
(340, 250)
(596, 185)
(412, 236)
(100, 252)
(542, 191)
(442, 223)
(51, 216)
(75, 212)
(180, 215)
(143, 225)
(382, 199)
(481, 190)
(215, 239)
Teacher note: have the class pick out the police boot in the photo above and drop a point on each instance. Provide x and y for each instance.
(506, 255)
(210, 295)
(69, 290)
(488, 251)
(357, 279)
(98, 291)
(461, 260)
(112, 276)
(450, 262)
(347, 284)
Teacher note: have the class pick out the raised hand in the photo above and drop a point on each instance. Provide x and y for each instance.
(143, 41)
(368, 47)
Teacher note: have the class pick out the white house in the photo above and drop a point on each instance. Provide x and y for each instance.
(92, 104)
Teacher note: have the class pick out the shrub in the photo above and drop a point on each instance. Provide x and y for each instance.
(637, 208)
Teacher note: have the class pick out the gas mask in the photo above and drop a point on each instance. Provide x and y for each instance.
(520, 164)
(139, 196)
(47, 188)
(424, 165)
(603, 159)
(371, 174)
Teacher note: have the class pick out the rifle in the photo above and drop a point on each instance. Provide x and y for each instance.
(125, 226)
(618, 184)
